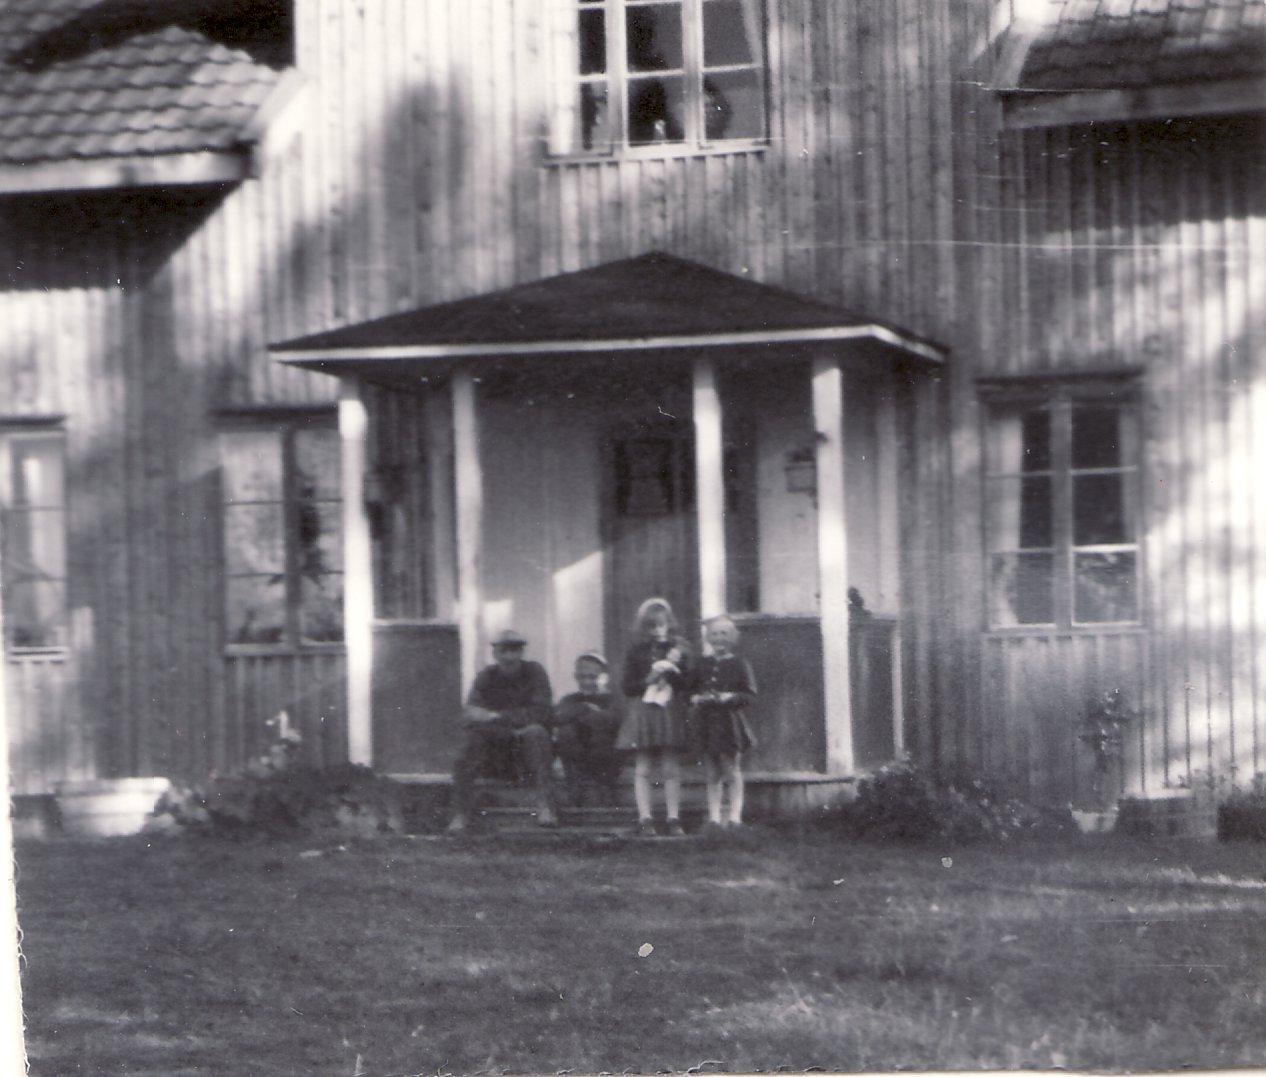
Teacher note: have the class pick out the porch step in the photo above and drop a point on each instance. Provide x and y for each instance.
(771, 797)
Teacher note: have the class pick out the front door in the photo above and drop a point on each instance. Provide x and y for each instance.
(650, 528)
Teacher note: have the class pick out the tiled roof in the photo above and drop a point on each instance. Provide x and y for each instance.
(1106, 44)
(94, 78)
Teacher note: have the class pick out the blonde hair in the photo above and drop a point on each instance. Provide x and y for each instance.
(648, 609)
(723, 620)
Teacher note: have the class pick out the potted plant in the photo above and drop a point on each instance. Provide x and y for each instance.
(1103, 724)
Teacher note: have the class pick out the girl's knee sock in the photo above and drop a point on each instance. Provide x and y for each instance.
(672, 786)
(736, 794)
(642, 786)
(714, 795)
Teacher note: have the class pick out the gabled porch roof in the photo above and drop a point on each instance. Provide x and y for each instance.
(654, 302)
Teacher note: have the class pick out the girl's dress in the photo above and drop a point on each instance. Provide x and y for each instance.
(722, 729)
(650, 725)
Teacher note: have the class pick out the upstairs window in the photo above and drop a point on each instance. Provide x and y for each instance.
(1062, 509)
(657, 73)
(33, 529)
(283, 551)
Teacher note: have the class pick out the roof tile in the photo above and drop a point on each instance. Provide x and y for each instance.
(1125, 43)
(166, 90)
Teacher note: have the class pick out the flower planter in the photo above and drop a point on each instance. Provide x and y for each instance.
(1099, 821)
(107, 807)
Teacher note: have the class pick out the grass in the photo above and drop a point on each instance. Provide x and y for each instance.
(410, 956)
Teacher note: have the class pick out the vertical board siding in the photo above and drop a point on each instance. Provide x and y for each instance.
(408, 170)
(1132, 250)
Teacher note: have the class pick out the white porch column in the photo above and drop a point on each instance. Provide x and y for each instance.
(828, 421)
(358, 572)
(470, 528)
(709, 488)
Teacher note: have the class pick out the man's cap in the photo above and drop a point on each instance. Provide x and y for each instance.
(508, 638)
(592, 656)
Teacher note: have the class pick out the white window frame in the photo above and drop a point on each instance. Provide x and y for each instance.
(1060, 398)
(12, 433)
(567, 78)
(286, 427)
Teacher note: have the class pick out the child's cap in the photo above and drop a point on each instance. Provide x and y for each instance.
(592, 656)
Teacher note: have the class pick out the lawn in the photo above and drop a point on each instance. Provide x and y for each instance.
(421, 956)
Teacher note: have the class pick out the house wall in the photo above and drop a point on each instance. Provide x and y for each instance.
(1137, 245)
(408, 170)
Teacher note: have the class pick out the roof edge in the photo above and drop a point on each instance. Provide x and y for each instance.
(103, 173)
(914, 346)
(1053, 108)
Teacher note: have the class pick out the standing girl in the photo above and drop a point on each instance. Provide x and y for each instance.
(656, 675)
(723, 687)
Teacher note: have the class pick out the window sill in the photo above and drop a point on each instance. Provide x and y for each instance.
(281, 650)
(655, 153)
(17, 654)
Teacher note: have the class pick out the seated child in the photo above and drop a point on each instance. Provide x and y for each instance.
(585, 726)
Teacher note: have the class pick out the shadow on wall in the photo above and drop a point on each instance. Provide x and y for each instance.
(106, 239)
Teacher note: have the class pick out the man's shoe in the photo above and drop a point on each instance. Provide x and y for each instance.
(674, 829)
(456, 825)
(546, 817)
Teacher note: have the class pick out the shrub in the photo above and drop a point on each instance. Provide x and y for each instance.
(902, 802)
(1242, 815)
(289, 800)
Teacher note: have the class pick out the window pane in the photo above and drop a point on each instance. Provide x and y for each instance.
(656, 107)
(654, 37)
(1105, 588)
(1102, 512)
(725, 35)
(1018, 439)
(35, 612)
(255, 609)
(317, 463)
(734, 105)
(321, 615)
(320, 538)
(593, 40)
(254, 539)
(34, 545)
(593, 117)
(38, 471)
(1020, 513)
(1020, 589)
(1099, 433)
(644, 477)
(251, 465)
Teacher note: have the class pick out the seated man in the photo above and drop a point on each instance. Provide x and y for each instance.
(506, 722)
(585, 727)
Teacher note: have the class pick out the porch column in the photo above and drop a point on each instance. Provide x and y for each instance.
(358, 572)
(709, 488)
(470, 529)
(828, 421)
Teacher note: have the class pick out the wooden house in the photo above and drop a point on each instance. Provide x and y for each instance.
(337, 336)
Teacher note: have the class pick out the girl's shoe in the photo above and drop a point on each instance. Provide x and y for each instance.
(644, 829)
(674, 829)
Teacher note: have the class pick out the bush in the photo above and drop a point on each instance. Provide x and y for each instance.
(289, 800)
(901, 802)
(1242, 815)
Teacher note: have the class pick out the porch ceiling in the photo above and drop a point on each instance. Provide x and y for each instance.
(653, 303)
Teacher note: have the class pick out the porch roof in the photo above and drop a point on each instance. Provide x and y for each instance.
(653, 302)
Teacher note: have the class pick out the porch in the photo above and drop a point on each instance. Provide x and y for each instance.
(546, 457)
